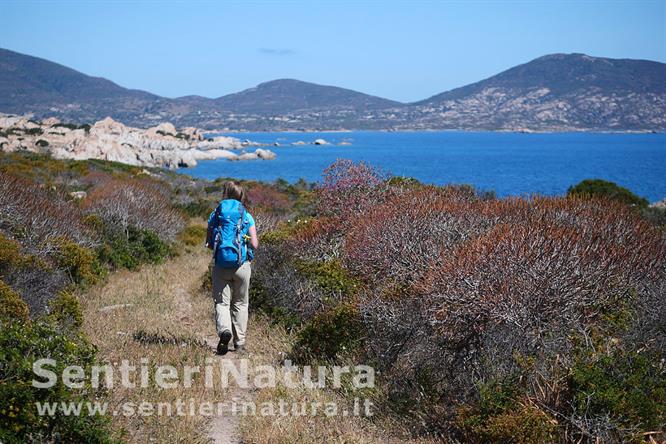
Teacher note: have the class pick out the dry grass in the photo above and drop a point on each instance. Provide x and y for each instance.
(269, 345)
(163, 301)
(166, 301)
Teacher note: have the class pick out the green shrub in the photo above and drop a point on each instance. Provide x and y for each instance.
(198, 208)
(655, 215)
(193, 235)
(305, 204)
(329, 333)
(523, 424)
(260, 299)
(10, 253)
(281, 233)
(94, 222)
(66, 310)
(213, 188)
(330, 276)
(109, 166)
(81, 263)
(404, 181)
(133, 249)
(629, 387)
(605, 189)
(42, 143)
(20, 346)
(73, 126)
(501, 415)
(41, 167)
(11, 305)
(34, 131)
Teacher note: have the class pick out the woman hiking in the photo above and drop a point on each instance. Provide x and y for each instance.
(232, 236)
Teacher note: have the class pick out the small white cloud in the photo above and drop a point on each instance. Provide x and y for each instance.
(277, 51)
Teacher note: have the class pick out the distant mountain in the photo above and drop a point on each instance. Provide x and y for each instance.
(555, 93)
(286, 96)
(31, 84)
(563, 74)
(558, 91)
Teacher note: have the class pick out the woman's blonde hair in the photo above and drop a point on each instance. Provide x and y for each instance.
(231, 190)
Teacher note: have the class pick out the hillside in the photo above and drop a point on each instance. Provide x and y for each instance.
(567, 73)
(31, 84)
(289, 96)
(558, 92)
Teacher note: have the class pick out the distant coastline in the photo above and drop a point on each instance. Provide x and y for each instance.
(446, 130)
(507, 162)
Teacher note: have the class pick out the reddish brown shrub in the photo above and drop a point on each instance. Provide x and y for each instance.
(565, 273)
(562, 262)
(265, 220)
(396, 242)
(264, 197)
(514, 278)
(461, 295)
(138, 203)
(348, 188)
(39, 217)
(317, 239)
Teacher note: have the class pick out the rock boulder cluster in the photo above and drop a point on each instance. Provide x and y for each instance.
(159, 146)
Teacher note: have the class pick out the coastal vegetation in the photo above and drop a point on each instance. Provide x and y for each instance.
(67, 228)
(491, 320)
(526, 320)
(600, 188)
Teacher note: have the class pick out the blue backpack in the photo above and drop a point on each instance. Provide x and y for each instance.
(227, 227)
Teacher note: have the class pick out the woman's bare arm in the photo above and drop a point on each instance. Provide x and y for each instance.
(254, 240)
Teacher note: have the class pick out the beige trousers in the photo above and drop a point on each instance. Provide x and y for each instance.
(231, 297)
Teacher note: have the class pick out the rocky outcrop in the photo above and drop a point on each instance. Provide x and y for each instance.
(661, 204)
(162, 145)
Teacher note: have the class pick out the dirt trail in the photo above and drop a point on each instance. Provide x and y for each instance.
(224, 429)
(166, 301)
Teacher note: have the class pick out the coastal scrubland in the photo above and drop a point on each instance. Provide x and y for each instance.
(487, 320)
(490, 320)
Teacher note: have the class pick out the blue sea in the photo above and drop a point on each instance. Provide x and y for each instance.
(508, 163)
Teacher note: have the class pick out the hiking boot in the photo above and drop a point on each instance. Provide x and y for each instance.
(240, 348)
(223, 345)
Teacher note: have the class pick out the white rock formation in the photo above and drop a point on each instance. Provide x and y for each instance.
(661, 204)
(162, 145)
(265, 154)
(78, 194)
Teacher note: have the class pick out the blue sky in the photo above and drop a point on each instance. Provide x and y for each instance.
(403, 50)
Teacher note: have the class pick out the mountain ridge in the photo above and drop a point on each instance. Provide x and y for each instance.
(541, 63)
(554, 92)
(303, 95)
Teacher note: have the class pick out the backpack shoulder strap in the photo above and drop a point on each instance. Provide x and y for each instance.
(214, 223)
(218, 214)
(241, 211)
(239, 230)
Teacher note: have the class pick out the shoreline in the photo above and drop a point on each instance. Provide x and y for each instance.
(471, 131)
